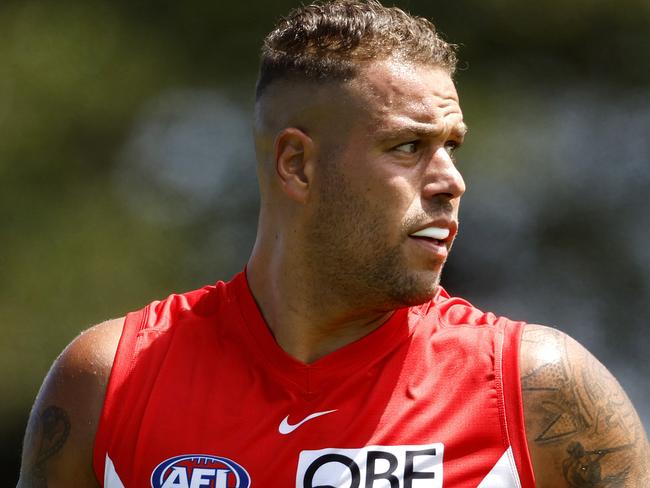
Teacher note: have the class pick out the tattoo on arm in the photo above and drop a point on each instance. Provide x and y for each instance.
(54, 431)
(582, 468)
(577, 408)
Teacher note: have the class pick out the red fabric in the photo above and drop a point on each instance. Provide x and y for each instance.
(201, 373)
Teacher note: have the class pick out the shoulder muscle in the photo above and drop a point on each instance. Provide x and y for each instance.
(58, 445)
(582, 429)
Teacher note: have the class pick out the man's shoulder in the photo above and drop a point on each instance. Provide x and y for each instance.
(578, 418)
(80, 374)
(94, 349)
(63, 422)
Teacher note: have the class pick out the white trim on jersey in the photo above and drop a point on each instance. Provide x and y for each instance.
(111, 479)
(503, 474)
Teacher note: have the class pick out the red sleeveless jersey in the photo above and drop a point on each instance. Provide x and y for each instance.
(201, 395)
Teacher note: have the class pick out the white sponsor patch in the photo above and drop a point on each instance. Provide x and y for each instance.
(372, 467)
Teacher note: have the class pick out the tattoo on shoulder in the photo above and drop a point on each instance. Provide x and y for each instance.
(54, 431)
(575, 406)
(555, 387)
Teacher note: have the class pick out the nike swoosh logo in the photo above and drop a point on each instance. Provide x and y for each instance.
(286, 428)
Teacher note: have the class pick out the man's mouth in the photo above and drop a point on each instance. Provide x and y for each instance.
(437, 234)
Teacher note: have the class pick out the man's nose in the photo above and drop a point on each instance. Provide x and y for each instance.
(442, 176)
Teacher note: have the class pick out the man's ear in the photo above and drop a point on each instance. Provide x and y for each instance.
(294, 161)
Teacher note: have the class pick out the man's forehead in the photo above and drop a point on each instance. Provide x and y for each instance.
(396, 90)
(396, 80)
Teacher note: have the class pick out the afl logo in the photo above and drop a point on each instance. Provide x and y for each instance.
(199, 470)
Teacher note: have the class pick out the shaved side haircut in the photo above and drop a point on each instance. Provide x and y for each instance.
(328, 41)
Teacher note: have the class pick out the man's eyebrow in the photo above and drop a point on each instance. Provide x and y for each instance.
(422, 130)
(461, 129)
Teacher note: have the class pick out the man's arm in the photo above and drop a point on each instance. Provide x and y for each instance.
(58, 446)
(582, 429)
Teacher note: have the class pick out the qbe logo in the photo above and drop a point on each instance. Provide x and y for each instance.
(372, 467)
(197, 471)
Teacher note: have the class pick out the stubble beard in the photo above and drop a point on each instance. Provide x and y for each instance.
(349, 254)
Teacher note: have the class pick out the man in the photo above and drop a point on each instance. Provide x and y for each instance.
(336, 359)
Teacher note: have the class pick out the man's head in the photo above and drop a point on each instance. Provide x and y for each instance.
(331, 41)
(356, 120)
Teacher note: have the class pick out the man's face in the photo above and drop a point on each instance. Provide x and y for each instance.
(387, 191)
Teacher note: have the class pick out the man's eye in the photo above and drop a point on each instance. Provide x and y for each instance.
(409, 147)
(451, 146)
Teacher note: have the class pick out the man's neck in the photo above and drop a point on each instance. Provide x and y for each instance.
(307, 325)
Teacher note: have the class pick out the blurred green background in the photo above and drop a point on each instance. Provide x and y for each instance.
(126, 168)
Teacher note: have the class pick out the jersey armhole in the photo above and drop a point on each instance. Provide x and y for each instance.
(515, 426)
(122, 365)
